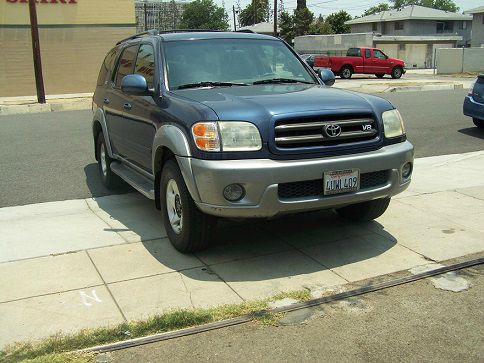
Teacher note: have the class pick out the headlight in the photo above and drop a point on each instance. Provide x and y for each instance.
(471, 88)
(226, 136)
(393, 124)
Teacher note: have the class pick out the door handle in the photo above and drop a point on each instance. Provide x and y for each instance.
(127, 106)
(106, 101)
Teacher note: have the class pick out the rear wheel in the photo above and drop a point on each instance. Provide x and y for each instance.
(478, 123)
(346, 72)
(366, 211)
(380, 75)
(188, 229)
(397, 72)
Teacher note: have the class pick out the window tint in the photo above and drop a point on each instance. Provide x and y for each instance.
(125, 64)
(378, 54)
(145, 64)
(367, 53)
(353, 52)
(106, 67)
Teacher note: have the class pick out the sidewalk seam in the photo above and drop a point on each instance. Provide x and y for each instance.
(107, 287)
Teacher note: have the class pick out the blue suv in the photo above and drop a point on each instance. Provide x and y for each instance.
(228, 124)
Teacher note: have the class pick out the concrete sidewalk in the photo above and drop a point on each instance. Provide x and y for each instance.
(414, 80)
(88, 263)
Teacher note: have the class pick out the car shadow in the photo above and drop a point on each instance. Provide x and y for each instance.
(96, 186)
(473, 131)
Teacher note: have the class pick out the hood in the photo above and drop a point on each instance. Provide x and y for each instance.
(261, 102)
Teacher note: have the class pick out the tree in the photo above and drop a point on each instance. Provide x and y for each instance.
(204, 14)
(286, 27)
(256, 12)
(320, 26)
(302, 19)
(376, 9)
(446, 5)
(337, 22)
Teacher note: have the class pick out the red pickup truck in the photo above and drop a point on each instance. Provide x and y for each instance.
(362, 60)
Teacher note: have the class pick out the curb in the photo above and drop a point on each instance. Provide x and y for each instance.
(429, 87)
(77, 105)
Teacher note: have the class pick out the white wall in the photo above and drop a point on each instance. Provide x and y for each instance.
(457, 60)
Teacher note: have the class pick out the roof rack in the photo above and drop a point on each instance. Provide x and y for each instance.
(245, 31)
(139, 35)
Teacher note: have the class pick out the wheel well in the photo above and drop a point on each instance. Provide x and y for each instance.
(163, 154)
(96, 130)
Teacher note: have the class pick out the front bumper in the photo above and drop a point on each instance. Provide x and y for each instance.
(473, 109)
(260, 178)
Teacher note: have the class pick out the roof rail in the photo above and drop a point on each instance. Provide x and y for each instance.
(245, 31)
(139, 35)
(188, 31)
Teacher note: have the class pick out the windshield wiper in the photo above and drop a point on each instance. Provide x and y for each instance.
(211, 84)
(281, 80)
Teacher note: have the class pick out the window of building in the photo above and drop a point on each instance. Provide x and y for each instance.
(125, 64)
(463, 25)
(145, 64)
(399, 25)
(106, 67)
(367, 53)
(444, 27)
(374, 27)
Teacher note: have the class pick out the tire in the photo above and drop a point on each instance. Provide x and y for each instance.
(109, 179)
(193, 230)
(397, 72)
(478, 123)
(346, 72)
(366, 211)
(380, 75)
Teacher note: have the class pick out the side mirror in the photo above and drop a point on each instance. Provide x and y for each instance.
(135, 85)
(327, 76)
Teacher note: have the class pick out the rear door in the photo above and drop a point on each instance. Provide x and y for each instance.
(115, 100)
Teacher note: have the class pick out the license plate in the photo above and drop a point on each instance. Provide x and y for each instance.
(341, 181)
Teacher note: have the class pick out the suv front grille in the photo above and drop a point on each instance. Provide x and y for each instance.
(314, 188)
(323, 131)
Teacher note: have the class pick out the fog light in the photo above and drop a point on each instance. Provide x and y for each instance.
(234, 192)
(406, 170)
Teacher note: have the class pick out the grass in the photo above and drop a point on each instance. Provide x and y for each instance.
(59, 347)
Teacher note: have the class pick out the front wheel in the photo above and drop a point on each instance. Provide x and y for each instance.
(188, 229)
(109, 179)
(397, 72)
(366, 211)
(478, 123)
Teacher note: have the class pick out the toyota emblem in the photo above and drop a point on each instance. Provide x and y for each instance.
(332, 130)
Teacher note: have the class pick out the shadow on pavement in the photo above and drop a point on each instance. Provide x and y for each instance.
(473, 131)
(97, 188)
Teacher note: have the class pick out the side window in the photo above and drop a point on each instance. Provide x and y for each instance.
(367, 53)
(145, 64)
(378, 54)
(125, 64)
(106, 67)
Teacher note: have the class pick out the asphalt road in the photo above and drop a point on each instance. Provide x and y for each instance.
(409, 323)
(49, 156)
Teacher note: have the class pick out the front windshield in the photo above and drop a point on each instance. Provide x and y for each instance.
(239, 61)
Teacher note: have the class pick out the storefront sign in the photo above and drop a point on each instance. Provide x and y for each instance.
(44, 1)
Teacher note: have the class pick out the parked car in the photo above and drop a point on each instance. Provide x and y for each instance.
(309, 58)
(226, 124)
(474, 101)
(362, 60)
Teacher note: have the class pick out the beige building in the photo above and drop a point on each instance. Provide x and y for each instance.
(75, 36)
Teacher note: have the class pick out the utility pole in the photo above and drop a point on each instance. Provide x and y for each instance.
(275, 18)
(233, 11)
(254, 4)
(34, 30)
(146, 18)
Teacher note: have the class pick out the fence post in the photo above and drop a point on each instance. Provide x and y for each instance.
(435, 60)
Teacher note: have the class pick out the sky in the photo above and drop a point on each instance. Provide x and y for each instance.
(326, 7)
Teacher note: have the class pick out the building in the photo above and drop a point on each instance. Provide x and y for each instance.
(159, 14)
(260, 28)
(75, 36)
(477, 37)
(413, 33)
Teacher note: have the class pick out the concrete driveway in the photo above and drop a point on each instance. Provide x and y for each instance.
(86, 263)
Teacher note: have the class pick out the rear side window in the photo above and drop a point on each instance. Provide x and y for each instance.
(367, 53)
(106, 67)
(125, 64)
(145, 64)
(353, 52)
